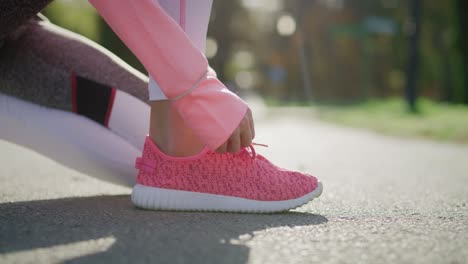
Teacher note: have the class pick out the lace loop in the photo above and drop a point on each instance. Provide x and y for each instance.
(252, 149)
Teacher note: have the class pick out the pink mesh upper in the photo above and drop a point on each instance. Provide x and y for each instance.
(244, 174)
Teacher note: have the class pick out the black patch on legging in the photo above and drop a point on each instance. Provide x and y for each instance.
(92, 99)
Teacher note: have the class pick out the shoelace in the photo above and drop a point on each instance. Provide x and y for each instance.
(150, 166)
(252, 149)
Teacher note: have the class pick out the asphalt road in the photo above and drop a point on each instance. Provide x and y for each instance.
(385, 200)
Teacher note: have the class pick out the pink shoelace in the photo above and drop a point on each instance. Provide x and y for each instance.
(252, 149)
(149, 165)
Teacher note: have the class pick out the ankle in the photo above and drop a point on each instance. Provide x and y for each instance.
(159, 124)
(169, 132)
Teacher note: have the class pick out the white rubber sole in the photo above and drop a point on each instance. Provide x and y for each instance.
(174, 200)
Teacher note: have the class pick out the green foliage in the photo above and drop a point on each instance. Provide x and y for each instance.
(77, 16)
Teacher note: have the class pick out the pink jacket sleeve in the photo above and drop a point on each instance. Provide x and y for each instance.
(180, 69)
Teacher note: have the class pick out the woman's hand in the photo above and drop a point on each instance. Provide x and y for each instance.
(241, 137)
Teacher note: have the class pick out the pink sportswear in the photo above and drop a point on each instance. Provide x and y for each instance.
(180, 69)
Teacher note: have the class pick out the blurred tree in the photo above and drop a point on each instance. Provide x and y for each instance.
(462, 8)
(413, 54)
(112, 42)
(226, 32)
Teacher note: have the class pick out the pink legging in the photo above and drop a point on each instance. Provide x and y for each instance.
(193, 18)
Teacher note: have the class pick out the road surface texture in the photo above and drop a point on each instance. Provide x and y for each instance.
(385, 200)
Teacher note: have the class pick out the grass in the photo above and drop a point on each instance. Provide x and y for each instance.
(434, 120)
(437, 121)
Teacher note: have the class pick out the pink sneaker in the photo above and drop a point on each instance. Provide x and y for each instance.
(209, 181)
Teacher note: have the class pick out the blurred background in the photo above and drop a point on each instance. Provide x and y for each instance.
(394, 66)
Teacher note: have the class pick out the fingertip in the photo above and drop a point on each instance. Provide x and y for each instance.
(234, 143)
(222, 149)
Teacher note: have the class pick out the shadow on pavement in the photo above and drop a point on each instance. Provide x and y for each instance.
(140, 236)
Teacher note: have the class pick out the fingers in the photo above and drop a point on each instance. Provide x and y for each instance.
(246, 138)
(251, 124)
(242, 137)
(222, 148)
(234, 142)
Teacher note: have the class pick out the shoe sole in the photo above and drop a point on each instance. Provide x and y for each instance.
(175, 200)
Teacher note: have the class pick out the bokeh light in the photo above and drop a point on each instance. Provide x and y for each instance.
(286, 25)
(244, 59)
(211, 47)
(245, 80)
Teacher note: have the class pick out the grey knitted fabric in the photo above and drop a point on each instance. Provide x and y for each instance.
(26, 76)
(36, 65)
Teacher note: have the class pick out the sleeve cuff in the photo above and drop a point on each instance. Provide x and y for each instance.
(212, 111)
